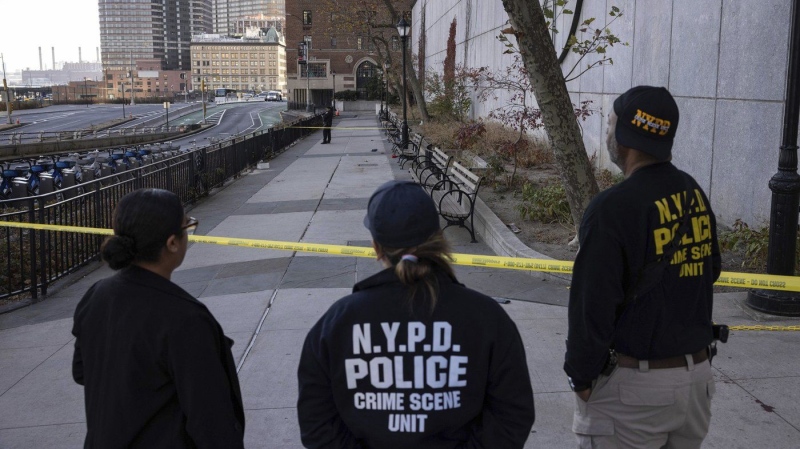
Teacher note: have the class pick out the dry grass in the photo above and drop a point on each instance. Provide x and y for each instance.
(440, 134)
(532, 151)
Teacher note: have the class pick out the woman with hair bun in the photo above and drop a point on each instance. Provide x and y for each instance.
(412, 358)
(156, 367)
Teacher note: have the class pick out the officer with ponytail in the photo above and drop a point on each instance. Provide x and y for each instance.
(156, 367)
(412, 358)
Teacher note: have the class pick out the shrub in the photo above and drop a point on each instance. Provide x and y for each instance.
(346, 95)
(547, 204)
(606, 178)
(753, 242)
(469, 134)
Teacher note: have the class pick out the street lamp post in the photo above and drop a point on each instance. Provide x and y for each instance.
(334, 89)
(308, 78)
(85, 93)
(403, 28)
(785, 187)
(385, 93)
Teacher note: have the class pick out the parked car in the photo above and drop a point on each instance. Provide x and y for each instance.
(273, 96)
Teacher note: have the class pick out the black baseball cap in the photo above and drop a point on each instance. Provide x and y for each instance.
(400, 214)
(647, 118)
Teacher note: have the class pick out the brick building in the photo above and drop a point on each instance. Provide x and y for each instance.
(348, 53)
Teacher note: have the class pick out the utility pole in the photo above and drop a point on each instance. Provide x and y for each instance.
(5, 87)
(123, 99)
(203, 97)
(133, 88)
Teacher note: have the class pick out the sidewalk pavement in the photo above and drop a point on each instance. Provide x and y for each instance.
(266, 300)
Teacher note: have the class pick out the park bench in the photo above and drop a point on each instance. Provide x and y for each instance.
(455, 197)
(412, 152)
(430, 167)
(392, 128)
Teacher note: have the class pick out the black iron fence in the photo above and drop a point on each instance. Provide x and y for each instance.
(32, 259)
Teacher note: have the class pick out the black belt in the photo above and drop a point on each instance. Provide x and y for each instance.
(626, 361)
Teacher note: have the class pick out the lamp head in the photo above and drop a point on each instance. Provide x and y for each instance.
(403, 28)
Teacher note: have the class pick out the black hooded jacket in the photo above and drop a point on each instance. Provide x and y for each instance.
(376, 374)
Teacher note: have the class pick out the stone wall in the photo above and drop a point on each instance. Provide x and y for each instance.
(724, 61)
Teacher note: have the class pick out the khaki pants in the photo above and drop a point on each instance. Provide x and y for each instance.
(642, 408)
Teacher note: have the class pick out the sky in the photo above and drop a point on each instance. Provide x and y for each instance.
(63, 24)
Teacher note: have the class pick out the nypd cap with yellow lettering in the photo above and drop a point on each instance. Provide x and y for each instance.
(647, 118)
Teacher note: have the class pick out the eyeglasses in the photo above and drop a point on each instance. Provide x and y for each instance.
(190, 226)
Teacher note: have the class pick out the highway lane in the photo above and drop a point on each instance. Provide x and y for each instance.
(62, 118)
(228, 120)
(231, 119)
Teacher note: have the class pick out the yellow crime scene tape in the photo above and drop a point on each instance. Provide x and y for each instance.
(759, 327)
(335, 127)
(731, 279)
(727, 278)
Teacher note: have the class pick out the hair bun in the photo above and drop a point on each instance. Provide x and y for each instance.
(128, 243)
(119, 251)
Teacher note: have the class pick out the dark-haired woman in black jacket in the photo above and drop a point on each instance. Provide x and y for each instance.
(156, 367)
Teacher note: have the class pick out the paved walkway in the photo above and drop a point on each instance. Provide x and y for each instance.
(267, 300)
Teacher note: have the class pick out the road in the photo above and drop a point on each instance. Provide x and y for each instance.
(231, 118)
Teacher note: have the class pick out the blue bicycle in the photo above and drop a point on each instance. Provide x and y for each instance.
(7, 183)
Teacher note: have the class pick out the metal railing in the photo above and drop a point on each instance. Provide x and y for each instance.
(30, 260)
(15, 138)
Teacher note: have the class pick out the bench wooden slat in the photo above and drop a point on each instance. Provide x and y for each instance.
(412, 152)
(431, 167)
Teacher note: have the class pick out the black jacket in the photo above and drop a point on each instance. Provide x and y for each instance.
(624, 229)
(374, 374)
(156, 367)
(327, 118)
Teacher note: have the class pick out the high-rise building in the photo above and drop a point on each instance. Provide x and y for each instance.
(230, 14)
(151, 29)
(254, 62)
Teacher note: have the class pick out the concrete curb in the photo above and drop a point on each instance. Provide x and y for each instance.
(502, 241)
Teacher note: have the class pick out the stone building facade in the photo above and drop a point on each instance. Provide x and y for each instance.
(253, 63)
(724, 61)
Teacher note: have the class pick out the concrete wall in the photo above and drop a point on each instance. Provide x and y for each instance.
(724, 61)
(356, 106)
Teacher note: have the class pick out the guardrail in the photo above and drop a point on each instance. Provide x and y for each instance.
(16, 138)
(32, 259)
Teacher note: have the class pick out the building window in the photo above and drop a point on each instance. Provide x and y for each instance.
(306, 17)
(395, 43)
(365, 43)
(307, 39)
(333, 42)
(315, 70)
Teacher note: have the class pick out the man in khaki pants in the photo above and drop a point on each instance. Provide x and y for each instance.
(641, 296)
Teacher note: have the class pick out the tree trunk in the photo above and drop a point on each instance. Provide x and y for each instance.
(558, 115)
(416, 90)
